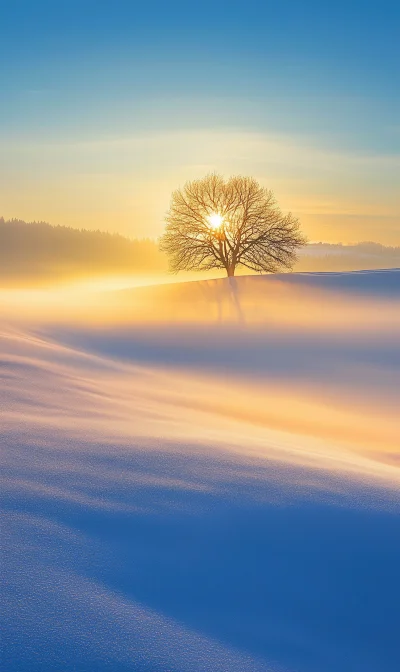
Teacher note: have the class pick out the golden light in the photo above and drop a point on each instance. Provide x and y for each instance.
(215, 220)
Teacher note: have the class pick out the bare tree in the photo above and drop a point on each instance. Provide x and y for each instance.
(213, 223)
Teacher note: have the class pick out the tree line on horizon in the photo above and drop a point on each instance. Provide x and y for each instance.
(39, 251)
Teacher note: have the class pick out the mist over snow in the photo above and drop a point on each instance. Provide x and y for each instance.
(42, 255)
(202, 476)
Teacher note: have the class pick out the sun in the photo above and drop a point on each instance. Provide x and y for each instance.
(215, 220)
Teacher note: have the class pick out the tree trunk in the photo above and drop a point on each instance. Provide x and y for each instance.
(231, 271)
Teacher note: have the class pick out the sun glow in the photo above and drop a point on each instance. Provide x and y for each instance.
(215, 220)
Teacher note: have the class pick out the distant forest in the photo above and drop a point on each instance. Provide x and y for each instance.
(339, 257)
(39, 252)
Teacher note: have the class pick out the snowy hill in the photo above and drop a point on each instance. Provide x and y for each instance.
(202, 476)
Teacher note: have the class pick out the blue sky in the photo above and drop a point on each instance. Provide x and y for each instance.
(107, 106)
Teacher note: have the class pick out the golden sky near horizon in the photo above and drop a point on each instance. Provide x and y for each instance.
(124, 184)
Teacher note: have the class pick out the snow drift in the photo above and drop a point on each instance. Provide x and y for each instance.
(203, 476)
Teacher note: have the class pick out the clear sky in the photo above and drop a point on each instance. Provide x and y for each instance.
(105, 107)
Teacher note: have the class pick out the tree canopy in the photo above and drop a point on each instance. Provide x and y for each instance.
(213, 223)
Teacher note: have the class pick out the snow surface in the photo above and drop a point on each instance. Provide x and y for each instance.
(202, 476)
